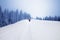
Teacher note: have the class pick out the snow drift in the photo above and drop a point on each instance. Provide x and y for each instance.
(34, 30)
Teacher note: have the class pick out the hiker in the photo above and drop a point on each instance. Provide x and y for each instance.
(29, 20)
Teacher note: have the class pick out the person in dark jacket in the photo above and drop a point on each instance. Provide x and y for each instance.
(29, 20)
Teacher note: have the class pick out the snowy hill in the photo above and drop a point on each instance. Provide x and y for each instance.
(34, 30)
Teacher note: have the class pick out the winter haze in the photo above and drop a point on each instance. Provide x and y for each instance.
(29, 19)
(40, 8)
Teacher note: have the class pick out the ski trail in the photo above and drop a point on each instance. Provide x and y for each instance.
(27, 35)
(33, 30)
(45, 30)
(18, 31)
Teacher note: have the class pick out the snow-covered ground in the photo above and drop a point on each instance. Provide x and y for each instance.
(33, 30)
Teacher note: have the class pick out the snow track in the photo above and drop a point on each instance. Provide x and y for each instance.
(34, 30)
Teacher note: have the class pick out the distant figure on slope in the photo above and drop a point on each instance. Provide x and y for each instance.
(29, 20)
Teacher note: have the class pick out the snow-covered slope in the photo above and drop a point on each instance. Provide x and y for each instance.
(33, 30)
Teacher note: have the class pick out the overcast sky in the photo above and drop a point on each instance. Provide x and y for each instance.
(38, 8)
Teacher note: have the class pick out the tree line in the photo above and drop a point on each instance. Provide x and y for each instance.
(10, 17)
(50, 18)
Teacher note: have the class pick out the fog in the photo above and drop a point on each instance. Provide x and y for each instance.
(40, 8)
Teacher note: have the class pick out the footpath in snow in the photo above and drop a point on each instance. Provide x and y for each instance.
(33, 30)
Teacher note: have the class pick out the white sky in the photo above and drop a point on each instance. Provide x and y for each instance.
(39, 8)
